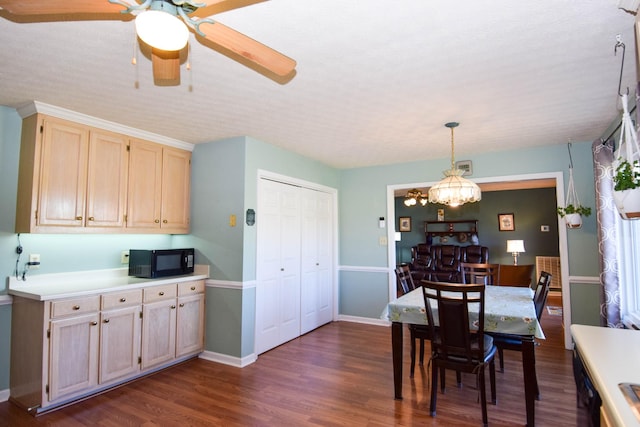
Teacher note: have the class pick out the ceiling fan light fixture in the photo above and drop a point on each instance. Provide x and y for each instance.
(162, 30)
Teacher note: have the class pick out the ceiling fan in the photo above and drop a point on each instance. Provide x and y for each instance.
(155, 18)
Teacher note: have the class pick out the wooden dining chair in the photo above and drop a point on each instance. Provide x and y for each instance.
(457, 344)
(475, 273)
(514, 343)
(416, 332)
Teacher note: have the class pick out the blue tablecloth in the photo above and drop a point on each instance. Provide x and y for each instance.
(508, 310)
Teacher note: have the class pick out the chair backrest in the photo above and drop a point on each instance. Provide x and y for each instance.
(475, 254)
(486, 274)
(456, 336)
(403, 274)
(421, 258)
(516, 275)
(542, 291)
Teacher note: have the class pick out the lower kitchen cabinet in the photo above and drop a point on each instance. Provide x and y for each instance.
(73, 356)
(120, 335)
(70, 348)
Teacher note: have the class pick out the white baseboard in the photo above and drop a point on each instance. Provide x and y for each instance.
(4, 395)
(238, 362)
(366, 320)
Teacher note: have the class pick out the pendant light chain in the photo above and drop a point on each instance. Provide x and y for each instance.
(453, 162)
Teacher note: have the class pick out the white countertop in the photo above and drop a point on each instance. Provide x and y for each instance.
(610, 357)
(44, 287)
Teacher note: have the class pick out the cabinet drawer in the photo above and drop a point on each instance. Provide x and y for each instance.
(70, 306)
(157, 293)
(188, 288)
(121, 299)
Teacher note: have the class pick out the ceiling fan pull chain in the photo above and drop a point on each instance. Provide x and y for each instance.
(189, 58)
(134, 61)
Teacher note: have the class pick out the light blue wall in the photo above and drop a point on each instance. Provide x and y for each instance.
(363, 200)
(224, 182)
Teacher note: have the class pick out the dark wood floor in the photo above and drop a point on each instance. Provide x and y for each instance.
(338, 375)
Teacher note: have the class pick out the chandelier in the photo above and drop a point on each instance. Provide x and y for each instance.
(454, 190)
(414, 196)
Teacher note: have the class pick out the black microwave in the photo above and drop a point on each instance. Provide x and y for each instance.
(152, 263)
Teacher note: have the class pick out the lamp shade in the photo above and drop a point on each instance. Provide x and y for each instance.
(162, 30)
(454, 190)
(515, 246)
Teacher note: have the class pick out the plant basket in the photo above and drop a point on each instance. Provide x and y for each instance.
(573, 220)
(626, 195)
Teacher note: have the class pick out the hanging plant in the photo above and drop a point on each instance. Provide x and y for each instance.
(573, 211)
(626, 176)
(626, 166)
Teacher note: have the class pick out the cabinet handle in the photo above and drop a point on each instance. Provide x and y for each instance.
(173, 307)
(181, 304)
(76, 307)
(123, 299)
(79, 218)
(160, 293)
(317, 263)
(164, 221)
(282, 269)
(94, 323)
(193, 288)
(91, 218)
(157, 221)
(106, 320)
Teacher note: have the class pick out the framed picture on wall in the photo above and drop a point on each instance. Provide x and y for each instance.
(404, 223)
(506, 222)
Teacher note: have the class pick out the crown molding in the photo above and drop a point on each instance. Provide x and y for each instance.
(62, 113)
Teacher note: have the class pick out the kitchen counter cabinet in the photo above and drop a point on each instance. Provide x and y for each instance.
(610, 357)
(71, 345)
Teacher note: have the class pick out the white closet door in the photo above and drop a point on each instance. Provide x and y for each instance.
(316, 237)
(278, 257)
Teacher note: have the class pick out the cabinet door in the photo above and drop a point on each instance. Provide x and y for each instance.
(190, 325)
(63, 177)
(73, 356)
(158, 332)
(145, 181)
(176, 187)
(119, 343)
(107, 179)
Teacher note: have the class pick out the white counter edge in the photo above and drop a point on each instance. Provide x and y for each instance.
(66, 285)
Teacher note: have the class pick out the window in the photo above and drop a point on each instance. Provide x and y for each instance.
(628, 253)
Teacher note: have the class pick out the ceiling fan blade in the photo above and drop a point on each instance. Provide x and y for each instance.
(58, 7)
(166, 67)
(245, 49)
(218, 6)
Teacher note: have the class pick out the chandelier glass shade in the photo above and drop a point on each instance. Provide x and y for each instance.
(454, 190)
(414, 197)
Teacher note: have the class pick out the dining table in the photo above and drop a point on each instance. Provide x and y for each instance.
(508, 311)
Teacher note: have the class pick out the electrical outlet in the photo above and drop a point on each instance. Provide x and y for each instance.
(124, 257)
(544, 228)
(34, 261)
(382, 240)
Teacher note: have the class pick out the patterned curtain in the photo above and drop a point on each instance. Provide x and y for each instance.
(607, 235)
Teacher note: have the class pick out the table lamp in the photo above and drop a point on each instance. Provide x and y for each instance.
(515, 247)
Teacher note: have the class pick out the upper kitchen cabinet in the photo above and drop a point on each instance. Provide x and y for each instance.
(159, 188)
(76, 178)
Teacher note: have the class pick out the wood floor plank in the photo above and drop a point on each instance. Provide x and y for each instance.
(338, 375)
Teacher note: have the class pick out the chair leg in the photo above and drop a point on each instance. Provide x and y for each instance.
(492, 379)
(422, 352)
(434, 388)
(443, 383)
(501, 356)
(483, 397)
(459, 379)
(413, 356)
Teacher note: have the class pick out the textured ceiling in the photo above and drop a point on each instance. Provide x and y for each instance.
(376, 80)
